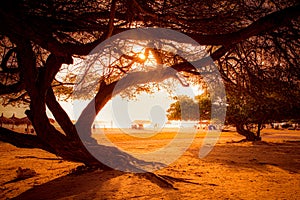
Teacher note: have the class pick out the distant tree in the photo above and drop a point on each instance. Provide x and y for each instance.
(185, 108)
(262, 80)
(249, 114)
(204, 102)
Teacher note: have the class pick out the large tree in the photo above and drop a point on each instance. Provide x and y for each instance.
(38, 37)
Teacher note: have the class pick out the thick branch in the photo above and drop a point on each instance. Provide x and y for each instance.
(13, 88)
(36, 92)
(51, 68)
(106, 92)
(5, 59)
(265, 24)
(60, 115)
(111, 18)
(23, 140)
(268, 23)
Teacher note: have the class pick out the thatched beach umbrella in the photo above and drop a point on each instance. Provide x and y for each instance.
(13, 120)
(4, 120)
(26, 121)
(16, 121)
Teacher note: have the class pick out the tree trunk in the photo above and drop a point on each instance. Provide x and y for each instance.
(88, 115)
(250, 136)
(259, 128)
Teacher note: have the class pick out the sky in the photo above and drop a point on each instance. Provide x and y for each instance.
(8, 111)
(120, 112)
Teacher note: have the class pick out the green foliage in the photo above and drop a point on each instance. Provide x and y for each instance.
(185, 108)
(204, 102)
(269, 106)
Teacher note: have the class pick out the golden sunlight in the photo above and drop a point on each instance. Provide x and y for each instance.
(142, 56)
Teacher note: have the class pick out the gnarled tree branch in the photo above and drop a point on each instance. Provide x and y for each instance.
(23, 140)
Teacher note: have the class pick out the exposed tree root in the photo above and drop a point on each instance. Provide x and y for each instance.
(159, 180)
(105, 157)
(23, 140)
(120, 161)
(39, 158)
(239, 141)
(163, 181)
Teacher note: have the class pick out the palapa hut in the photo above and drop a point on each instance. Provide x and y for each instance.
(4, 120)
(15, 121)
(26, 121)
(139, 124)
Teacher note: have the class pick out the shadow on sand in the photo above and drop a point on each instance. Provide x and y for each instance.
(258, 155)
(85, 185)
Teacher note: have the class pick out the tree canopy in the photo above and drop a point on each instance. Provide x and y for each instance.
(186, 108)
(255, 45)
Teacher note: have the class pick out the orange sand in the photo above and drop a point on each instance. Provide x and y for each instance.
(262, 170)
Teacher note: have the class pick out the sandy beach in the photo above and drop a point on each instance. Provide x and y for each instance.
(269, 169)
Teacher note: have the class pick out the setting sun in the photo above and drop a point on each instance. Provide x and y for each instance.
(142, 56)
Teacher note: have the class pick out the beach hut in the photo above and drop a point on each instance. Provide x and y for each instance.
(203, 124)
(15, 121)
(139, 124)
